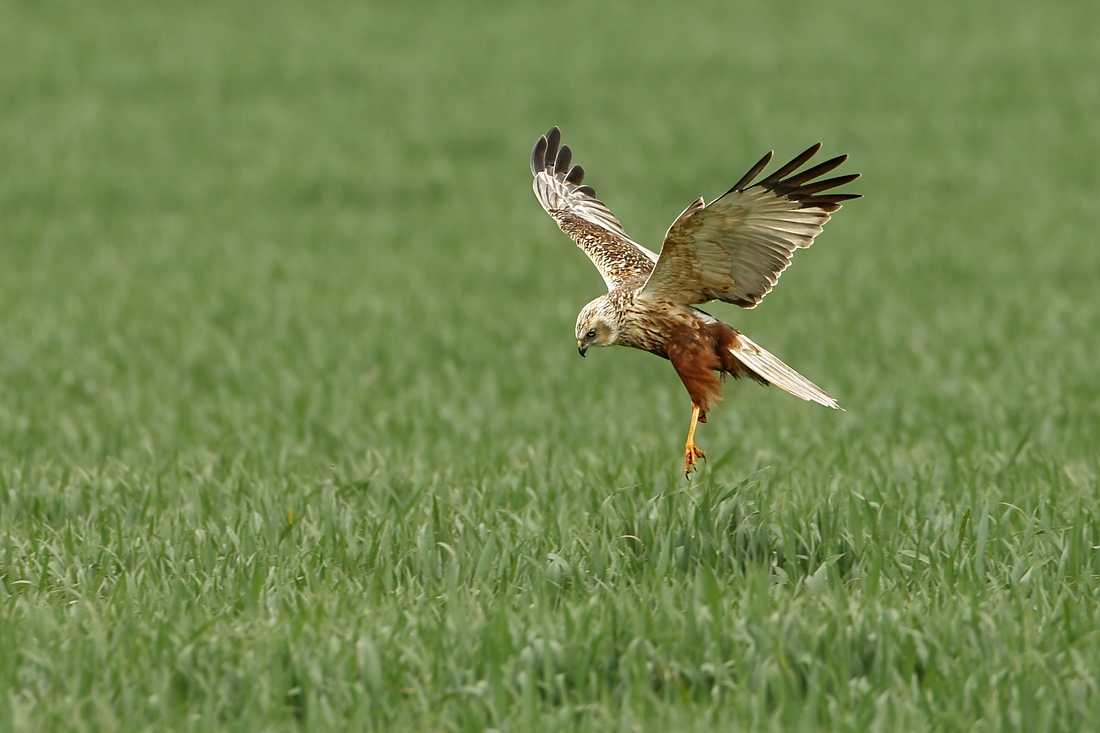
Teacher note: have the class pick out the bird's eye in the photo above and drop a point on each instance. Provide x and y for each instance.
(591, 333)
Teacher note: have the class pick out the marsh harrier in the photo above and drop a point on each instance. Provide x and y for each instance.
(732, 249)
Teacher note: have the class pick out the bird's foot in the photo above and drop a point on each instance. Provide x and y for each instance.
(691, 452)
(702, 417)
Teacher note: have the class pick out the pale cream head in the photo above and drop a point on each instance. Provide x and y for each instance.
(597, 325)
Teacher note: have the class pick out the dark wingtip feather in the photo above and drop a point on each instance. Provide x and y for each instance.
(791, 167)
(562, 160)
(825, 185)
(811, 173)
(827, 203)
(553, 140)
(753, 173)
(575, 175)
(538, 156)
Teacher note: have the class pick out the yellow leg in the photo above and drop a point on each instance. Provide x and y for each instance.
(691, 452)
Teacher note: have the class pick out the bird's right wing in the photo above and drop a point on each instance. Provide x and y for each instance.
(583, 217)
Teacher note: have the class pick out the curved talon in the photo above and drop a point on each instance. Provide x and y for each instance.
(690, 454)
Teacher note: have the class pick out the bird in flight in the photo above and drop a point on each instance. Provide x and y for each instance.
(733, 249)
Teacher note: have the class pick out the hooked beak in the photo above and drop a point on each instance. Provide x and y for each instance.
(581, 348)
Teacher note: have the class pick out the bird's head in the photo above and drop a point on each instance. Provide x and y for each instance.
(597, 325)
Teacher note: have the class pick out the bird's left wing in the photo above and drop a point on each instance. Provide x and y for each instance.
(736, 247)
(583, 217)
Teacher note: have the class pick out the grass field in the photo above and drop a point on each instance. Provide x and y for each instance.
(294, 434)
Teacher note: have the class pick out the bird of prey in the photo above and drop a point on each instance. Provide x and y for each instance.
(732, 249)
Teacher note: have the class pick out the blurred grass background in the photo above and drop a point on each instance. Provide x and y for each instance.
(293, 433)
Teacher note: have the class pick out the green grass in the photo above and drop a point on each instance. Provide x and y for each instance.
(293, 433)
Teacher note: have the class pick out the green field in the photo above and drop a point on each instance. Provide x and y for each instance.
(294, 434)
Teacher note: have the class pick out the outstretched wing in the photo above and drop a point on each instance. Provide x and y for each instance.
(584, 217)
(735, 248)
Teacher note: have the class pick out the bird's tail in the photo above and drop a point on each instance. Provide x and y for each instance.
(771, 369)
